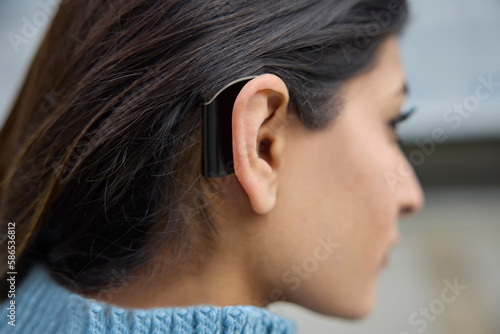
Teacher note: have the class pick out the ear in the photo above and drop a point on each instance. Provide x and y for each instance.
(258, 121)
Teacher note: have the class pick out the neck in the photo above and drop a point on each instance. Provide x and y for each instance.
(222, 282)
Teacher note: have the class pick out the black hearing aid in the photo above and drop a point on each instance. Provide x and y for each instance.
(217, 130)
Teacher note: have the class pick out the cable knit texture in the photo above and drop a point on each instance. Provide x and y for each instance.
(44, 306)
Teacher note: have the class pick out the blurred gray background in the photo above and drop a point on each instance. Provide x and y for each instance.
(449, 49)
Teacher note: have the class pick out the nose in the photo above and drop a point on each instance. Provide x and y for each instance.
(411, 197)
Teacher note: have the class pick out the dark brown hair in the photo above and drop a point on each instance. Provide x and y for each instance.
(97, 171)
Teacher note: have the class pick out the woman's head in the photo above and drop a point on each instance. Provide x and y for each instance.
(102, 176)
(324, 203)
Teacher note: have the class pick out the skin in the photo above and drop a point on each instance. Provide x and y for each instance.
(309, 215)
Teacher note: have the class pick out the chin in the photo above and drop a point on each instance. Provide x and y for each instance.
(362, 308)
(352, 309)
(357, 313)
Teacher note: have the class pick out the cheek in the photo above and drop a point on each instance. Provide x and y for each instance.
(343, 189)
(343, 200)
(363, 209)
(370, 213)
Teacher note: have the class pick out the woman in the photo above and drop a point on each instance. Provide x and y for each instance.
(179, 165)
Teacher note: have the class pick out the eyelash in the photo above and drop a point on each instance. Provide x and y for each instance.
(399, 119)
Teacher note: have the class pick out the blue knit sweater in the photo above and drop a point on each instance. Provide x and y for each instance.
(44, 306)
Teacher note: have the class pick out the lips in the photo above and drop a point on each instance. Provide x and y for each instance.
(385, 260)
(394, 242)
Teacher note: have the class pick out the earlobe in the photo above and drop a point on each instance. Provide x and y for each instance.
(258, 125)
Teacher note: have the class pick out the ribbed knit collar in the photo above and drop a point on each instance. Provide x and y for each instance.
(44, 306)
